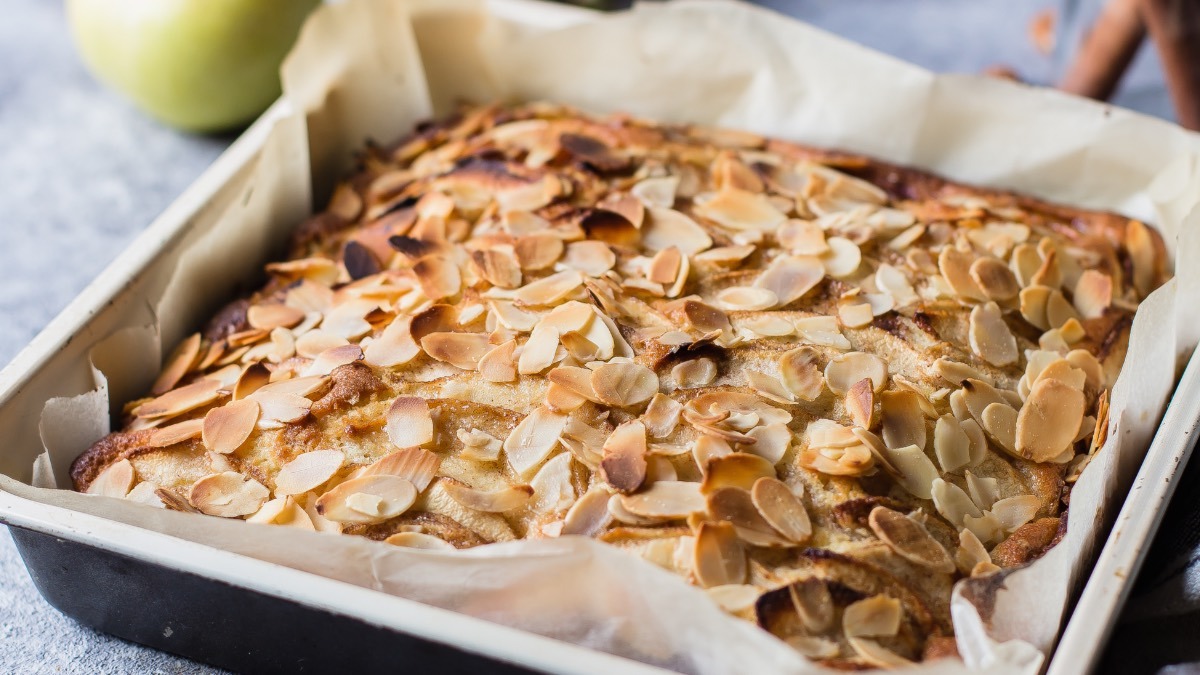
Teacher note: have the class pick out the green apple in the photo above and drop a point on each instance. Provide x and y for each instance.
(201, 65)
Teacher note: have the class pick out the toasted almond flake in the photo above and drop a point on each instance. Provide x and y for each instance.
(308, 472)
(1049, 420)
(1062, 370)
(115, 480)
(498, 267)
(416, 465)
(802, 237)
(725, 255)
(771, 441)
(860, 403)
(146, 493)
(734, 505)
(909, 539)
(791, 277)
(906, 238)
(665, 500)
(718, 556)
(1058, 310)
(999, 420)
(800, 374)
(551, 289)
(228, 495)
(178, 364)
(901, 418)
(539, 351)
(1013, 512)
(855, 314)
(667, 227)
(769, 387)
(593, 258)
(822, 330)
(367, 500)
(917, 472)
(876, 655)
(661, 416)
(951, 444)
(624, 463)
(478, 446)
(497, 365)
(419, 540)
(496, 501)
(739, 209)
(746, 298)
(665, 265)
(563, 400)
(511, 317)
(1139, 242)
(462, 350)
(181, 400)
(782, 509)
(979, 446)
(283, 511)
(299, 386)
(738, 470)
(843, 258)
(952, 502)
(984, 491)
(1033, 304)
(844, 370)
(280, 407)
(226, 428)
(267, 317)
(954, 372)
(987, 527)
(439, 277)
(995, 279)
(854, 460)
(971, 552)
(768, 326)
(409, 423)
(589, 515)
(694, 373)
(955, 266)
(316, 341)
(394, 347)
(813, 603)
(179, 432)
(734, 598)
(990, 336)
(877, 615)
(538, 251)
(624, 384)
(331, 359)
(533, 439)
(553, 490)
(656, 193)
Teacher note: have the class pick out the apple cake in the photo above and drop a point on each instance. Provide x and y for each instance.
(821, 387)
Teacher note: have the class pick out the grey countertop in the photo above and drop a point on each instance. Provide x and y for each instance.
(82, 172)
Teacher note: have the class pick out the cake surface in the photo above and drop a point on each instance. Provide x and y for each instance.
(821, 387)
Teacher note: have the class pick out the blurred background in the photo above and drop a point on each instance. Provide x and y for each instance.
(83, 170)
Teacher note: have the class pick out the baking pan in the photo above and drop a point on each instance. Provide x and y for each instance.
(248, 615)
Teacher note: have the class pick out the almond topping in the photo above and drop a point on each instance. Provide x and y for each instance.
(800, 374)
(331, 359)
(665, 500)
(739, 210)
(694, 373)
(419, 540)
(497, 365)
(439, 277)
(267, 317)
(461, 350)
(917, 473)
(588, 516)
(367, 500)
(844, 370)
(860, 403)
(624, 384)
(664, 267)
(661, 416)
(178, 364)
(876, 655)
(624, 463)
(114, 481)
(790, 277)
(718, 556)
(176, 433)
(843, 258)
(746, 298)
(1000, 422)
(1140, 244)
(952, 502)
(667, 227)
(951, 444)
(955, 266)
(1049, 420)
(780, 507)
(903, 421)
(497, 501)
(656, 193)
(181, 400)
(771, 441)
(769, 387)
(498, 268)
(1034, 300)
(409, 423)
(877, 615)
(739, 470)
(593, 258)
(802, 237)
(540, 350)
(308, 472)
(734, 505)
(813, 604)
(416, 465)
(538, 251)
(227, 428)
(280, 407)
(533, 439)
(228, 495)
(909, 539)
(994, 279)
(550, 290)
(990, 336)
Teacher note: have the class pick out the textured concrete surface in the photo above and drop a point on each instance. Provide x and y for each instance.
(82, 172)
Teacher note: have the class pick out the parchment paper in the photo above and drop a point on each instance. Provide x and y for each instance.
(373, 68)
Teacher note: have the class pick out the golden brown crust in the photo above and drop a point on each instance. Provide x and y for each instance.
(757, 364)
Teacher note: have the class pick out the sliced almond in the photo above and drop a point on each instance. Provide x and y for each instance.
(971, 552)
(228, 495)
(226, 428)
(498, 364)
(1013, 512)
(771, 441)
(800, 374)
(656, 193)
(854, 460)
(624, 384)
(843, 258)
(665, 500)
(462, 350)
(822, 330)
(308, 472)
(1093, 294)
(694, 373)
(624, 464)
(181, 400)
(665, 228)
(267, 317)
(1033, 302)
(409, 423)
(769, 387)
(995, 279)
(952, 502)
(539, 351)
(909, 539)
(664, 267)
(499, 268)
(589, 516)
(1139, 242)
(718, 556)
(735, 506)
(1049, 420)
(115, 480)
(1000, 422)
(334, 358)
(845, 370)
(802, 237)
(734, 598)
(951, 444)
(955, 266)
(877, 615)
(538, 251)
(902, 420)
(990, 336)
(780, 507)
(984, 491)
(791, 277)
(917, 472)
(533, 439)
(746, 298)
(661, 416)
(551, 289)
(495, 501)
(739, 209)
(280, 407)
(178, 364)
(738, 469)
(439, 277)
(367, 500)
(416, 465)
(419, 540)
(860, 403)
(855, 314)
(394, 347)
(179, 432)
(813, 604)
(876, 655)
(954, 372)
(593, 258)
